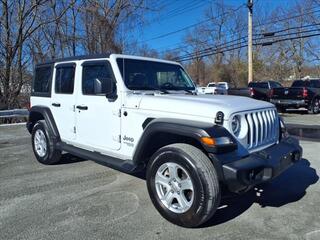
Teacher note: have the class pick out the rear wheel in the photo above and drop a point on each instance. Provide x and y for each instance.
(315, 106)
(42, 144)
(183, 185)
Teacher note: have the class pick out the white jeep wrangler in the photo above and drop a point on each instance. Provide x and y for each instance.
(142, 114)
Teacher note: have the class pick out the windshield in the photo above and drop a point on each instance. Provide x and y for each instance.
(149, 75)
(211, 85)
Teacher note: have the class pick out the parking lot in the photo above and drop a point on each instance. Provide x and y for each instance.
(80, 199)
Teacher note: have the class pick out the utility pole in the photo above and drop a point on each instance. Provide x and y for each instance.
(250, 71)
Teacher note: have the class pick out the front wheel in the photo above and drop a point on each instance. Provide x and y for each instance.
(183, 185)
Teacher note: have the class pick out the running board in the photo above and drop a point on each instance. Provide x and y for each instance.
(126, 166)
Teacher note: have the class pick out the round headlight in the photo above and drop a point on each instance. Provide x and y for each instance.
(236, 125)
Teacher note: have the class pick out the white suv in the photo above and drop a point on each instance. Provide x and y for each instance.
(142, 114)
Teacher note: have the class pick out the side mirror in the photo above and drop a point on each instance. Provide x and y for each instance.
(97, 86)
(111, 90)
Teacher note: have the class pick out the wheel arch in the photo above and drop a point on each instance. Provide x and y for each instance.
(162, 132)
(43, 113)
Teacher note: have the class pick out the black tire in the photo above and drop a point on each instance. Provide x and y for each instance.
(281, 109)
(52, 155)
(314, 107)
(204, 179)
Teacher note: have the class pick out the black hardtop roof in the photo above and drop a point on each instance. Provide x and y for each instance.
(75, 58)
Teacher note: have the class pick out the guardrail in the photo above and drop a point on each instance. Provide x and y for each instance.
(14, 113)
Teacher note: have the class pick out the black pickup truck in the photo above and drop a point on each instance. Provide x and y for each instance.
(301, 94)
(257, 90)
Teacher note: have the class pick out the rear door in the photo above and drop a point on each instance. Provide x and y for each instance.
(98, 118)
(63, 100)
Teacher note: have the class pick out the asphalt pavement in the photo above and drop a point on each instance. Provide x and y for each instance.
(80, 199)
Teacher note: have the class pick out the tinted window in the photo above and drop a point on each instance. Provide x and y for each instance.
(300, 83)
(315, 83)
(259, 84)
(211, 85)
(64, 79)
(275, 84)
(95, 78)
(222, 85)
(42, 80)
(149, 75)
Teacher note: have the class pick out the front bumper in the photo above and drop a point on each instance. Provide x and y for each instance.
(289, 102)
(262, 166)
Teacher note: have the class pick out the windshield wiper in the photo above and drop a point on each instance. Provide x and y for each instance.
(156, 89)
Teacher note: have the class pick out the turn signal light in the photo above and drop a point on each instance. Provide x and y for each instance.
(208, 141)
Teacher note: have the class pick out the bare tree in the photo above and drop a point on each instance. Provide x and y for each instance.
(20, 20)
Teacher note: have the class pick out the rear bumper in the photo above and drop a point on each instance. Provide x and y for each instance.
(262, 166)
(289, 102)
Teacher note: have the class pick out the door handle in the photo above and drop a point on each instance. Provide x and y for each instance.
(82, 107)
(56, 104)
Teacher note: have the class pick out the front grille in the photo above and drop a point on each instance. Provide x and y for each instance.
(263, 128)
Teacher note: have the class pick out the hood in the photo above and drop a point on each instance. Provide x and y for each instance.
(198, 105)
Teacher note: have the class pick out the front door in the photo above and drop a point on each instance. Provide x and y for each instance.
(98, 119)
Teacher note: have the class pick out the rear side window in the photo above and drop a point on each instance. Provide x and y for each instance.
(42, 81)
(275, 85)
(315, 83)
(300, 83)
(259, 84)
(64, 81)
(95, 77)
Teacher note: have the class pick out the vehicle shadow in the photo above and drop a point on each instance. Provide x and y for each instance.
(296, 111)
(289, 187)
(68, 158)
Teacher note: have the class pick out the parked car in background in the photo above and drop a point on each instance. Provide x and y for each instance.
(257, 90)
(214, 88)
(302, 93)
(223, 85)
(201, 90)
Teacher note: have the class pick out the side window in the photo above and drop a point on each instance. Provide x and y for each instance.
(42, 81)
(64, 81)
(275, 85)
(96, 76)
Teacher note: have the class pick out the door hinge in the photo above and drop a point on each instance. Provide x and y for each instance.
(119, 113)
(74, 108)
(119, 138)
(74, 129)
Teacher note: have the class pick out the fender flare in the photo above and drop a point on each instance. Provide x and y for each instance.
(47, 116)
(183, 128)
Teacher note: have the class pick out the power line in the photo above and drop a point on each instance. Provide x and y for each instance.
(262, 38)
(259, 25)
(190, 26)
(230, 48)
(224, 45)
(289, 18)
